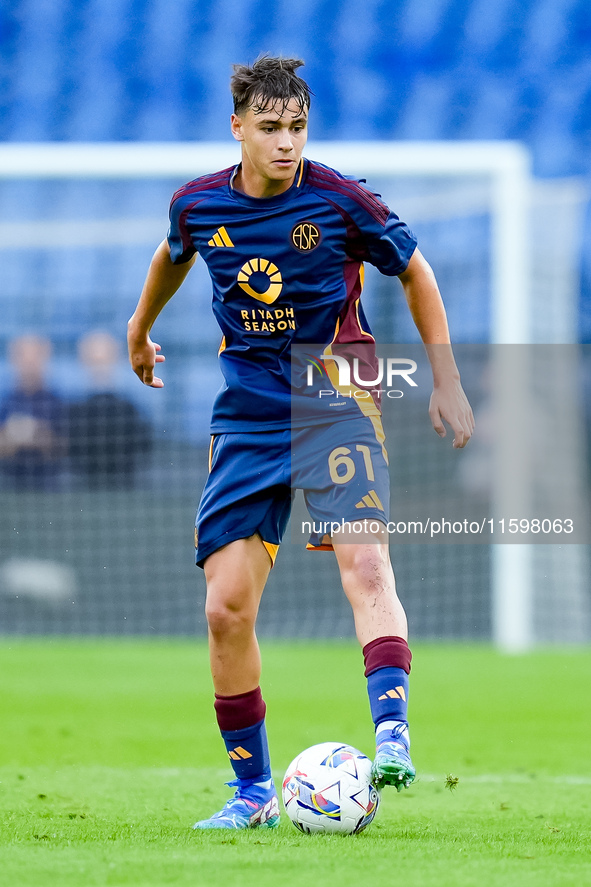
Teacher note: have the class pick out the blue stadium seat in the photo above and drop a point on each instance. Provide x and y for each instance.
(107, 70)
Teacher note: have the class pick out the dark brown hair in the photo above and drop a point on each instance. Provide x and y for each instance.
(269, 82)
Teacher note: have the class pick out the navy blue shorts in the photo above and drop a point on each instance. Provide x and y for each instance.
(341, 468)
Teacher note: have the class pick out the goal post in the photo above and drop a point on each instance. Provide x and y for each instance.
(508, 164)
(507, 167)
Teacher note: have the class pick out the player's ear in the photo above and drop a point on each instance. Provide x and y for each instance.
(236, 127)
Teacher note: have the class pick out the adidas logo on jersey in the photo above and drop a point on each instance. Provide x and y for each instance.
(220, 238)
(372, 500)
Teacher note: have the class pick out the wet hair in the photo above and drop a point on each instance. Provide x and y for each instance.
(268, 83)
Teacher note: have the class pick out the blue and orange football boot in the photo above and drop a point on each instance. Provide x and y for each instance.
(392, 764)
(254, 805)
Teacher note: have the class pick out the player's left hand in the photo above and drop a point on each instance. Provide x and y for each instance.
(448, 402)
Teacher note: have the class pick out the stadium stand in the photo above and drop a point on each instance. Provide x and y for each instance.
(451, 69)
(441, 69)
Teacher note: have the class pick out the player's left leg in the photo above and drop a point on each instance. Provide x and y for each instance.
(343, 470)
(381, 626)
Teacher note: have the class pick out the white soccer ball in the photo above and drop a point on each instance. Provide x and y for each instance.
(327, 788)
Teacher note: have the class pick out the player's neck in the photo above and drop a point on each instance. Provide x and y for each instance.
(253, 184)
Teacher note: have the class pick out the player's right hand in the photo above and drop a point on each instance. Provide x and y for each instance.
(143, 358)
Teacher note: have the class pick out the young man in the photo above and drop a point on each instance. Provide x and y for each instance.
(284, 240)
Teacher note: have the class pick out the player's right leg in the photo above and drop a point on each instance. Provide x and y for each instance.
(236, 575)
(239, 509)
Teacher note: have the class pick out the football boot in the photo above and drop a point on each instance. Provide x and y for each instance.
(392, 764)
(254, 805)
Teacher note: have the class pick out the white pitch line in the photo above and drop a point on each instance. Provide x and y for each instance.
(219, 774)
(475, 778)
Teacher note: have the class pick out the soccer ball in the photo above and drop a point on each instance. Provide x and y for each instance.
(327, 788)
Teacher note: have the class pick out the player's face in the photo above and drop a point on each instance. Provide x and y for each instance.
(272, 145)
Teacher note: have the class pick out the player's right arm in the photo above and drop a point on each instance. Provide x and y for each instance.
(162, 281)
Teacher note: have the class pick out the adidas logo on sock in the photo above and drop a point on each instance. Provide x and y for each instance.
(239, 754)
(398, 693)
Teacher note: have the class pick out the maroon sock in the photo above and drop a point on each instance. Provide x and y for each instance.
(241, 721)
(241, 711)
(386, 652)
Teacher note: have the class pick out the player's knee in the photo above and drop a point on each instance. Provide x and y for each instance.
(367, 568)
(229, 617)
(364, 559)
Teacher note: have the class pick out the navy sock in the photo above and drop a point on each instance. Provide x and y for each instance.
(387, 667)
(241, 720)
(388, 694)
(248, 751)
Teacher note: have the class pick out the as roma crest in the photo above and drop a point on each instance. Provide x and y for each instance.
(305, 237)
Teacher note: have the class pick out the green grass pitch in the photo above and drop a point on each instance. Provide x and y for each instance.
(109, 753)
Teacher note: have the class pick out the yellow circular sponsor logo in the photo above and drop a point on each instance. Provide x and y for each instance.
(262, 268)
(305, 237)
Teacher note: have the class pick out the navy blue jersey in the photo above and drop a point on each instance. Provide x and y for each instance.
(286, 270)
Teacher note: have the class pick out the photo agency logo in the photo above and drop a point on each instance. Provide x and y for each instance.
(343, 376)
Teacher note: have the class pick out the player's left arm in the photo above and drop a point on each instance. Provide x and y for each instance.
(448, 400)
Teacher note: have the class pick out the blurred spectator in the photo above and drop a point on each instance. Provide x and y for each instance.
(108, 436)
(32, 420)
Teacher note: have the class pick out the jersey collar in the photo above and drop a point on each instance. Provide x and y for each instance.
(286, 196)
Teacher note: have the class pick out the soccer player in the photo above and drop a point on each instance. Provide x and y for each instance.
(284, 240)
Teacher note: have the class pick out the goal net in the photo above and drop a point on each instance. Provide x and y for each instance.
(99, 486)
